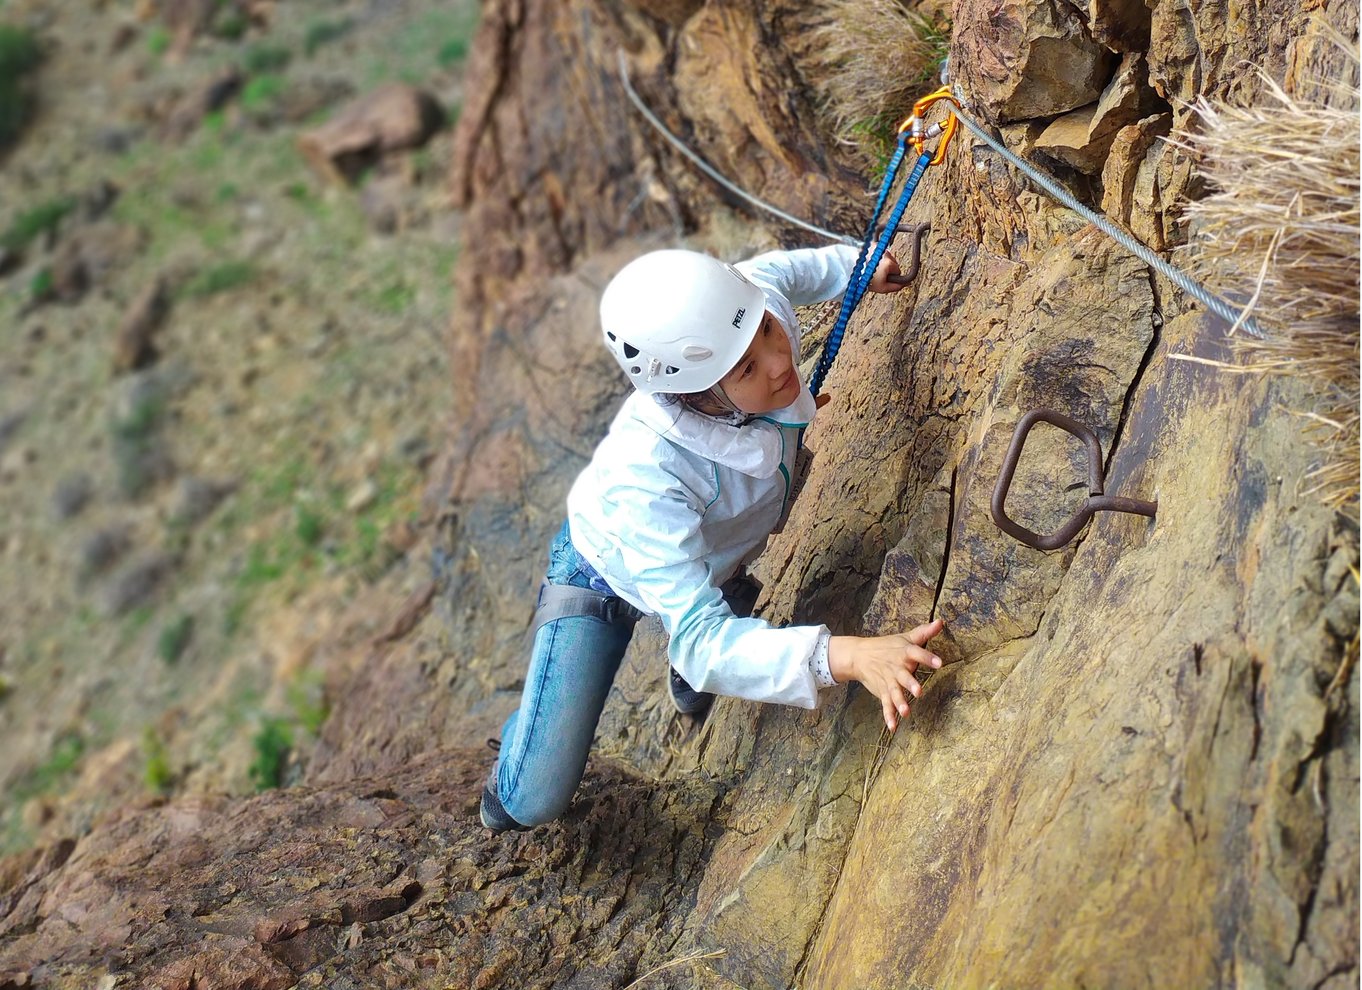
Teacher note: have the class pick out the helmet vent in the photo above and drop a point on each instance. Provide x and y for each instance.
(671, 370)
(610, 335)
(635, 370)
(630, 351)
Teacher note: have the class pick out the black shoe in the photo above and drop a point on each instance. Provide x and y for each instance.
(493, 815)
(687, 700)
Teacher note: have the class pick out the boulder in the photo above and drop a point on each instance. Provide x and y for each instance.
(1026, 58)
(133, 345)
(183, 116)
(87, 255)
(392, 118)
(1121, 25)
(1082, 138)
(1125, 157)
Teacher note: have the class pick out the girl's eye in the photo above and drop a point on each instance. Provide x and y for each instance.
(747, 370)
(766, 328)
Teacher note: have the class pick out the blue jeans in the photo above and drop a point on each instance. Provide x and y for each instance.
(544, 744)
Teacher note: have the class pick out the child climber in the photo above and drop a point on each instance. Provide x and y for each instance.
(692, 478)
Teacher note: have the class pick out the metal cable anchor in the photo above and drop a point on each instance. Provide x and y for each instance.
(1097, 500)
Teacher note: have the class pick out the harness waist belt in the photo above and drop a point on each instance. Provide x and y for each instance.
(562, 601)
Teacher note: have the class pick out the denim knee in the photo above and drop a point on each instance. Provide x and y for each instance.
(540, 805)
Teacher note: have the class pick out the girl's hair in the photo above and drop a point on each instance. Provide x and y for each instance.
(694, 401)
(705, 403)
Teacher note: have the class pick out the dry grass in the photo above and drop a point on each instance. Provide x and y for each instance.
(1281, 230)
(685, 961)
(876, 58)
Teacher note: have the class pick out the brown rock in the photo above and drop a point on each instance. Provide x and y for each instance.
(383, 201)
(1026, 58)
(673, 12)
(86, 257)
(185, 114)
(306, 97)
(1083, 138)
(133, 344)
(1127, 153)
(260, 893)
(391, 118)
(186, 19)
(1121, 25)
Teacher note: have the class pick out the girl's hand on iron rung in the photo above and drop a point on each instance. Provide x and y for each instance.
(879, 282)
(886, 665)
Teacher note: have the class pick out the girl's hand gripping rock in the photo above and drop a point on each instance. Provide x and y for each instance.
(886, 665)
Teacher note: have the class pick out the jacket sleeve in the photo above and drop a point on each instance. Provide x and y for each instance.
(806, 276)
(709, 646)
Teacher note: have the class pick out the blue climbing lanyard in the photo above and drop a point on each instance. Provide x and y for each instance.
(872, 249)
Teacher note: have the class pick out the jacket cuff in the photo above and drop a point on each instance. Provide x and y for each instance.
(818, 662)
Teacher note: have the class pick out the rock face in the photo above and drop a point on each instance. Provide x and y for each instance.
(1139, 769)
(387, 882)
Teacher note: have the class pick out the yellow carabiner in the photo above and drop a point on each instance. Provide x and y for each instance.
(948, 128)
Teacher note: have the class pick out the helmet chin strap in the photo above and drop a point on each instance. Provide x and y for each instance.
(720, 397)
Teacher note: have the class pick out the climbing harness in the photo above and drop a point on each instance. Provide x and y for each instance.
(912, 131)
(562, 601)
(1097, 501)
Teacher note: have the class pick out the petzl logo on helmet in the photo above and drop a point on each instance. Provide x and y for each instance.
(737, 318)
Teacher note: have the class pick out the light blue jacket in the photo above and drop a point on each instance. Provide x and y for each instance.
(674, 502)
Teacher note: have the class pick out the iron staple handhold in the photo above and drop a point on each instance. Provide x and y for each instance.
(1097, 500)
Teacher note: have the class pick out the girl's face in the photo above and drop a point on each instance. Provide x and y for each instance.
(765, 378)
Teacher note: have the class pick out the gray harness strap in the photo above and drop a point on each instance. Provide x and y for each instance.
(562, 601)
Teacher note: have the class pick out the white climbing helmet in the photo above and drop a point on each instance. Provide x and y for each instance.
(678, 321)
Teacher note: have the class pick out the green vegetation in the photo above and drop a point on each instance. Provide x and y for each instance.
(262, 92)
(219, 278)
(438, 39)
(452, 52)
(65, 755)
(156, 763)
(32, 224)
(229, 22)
(395, 297)
(137, 619)
(263, 57)
(321, 33)
(272, 743)
(158, 40)
(41, 286)
(133, 438)
(175, 636)
(308, 525)
(20, 54)
(307, 701)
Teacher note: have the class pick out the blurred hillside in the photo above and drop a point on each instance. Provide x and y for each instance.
(222, 376)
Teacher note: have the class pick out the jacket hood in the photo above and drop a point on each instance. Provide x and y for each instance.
(755, 448)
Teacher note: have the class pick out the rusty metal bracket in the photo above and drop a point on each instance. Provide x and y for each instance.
(919, 232)
(1098, 501)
